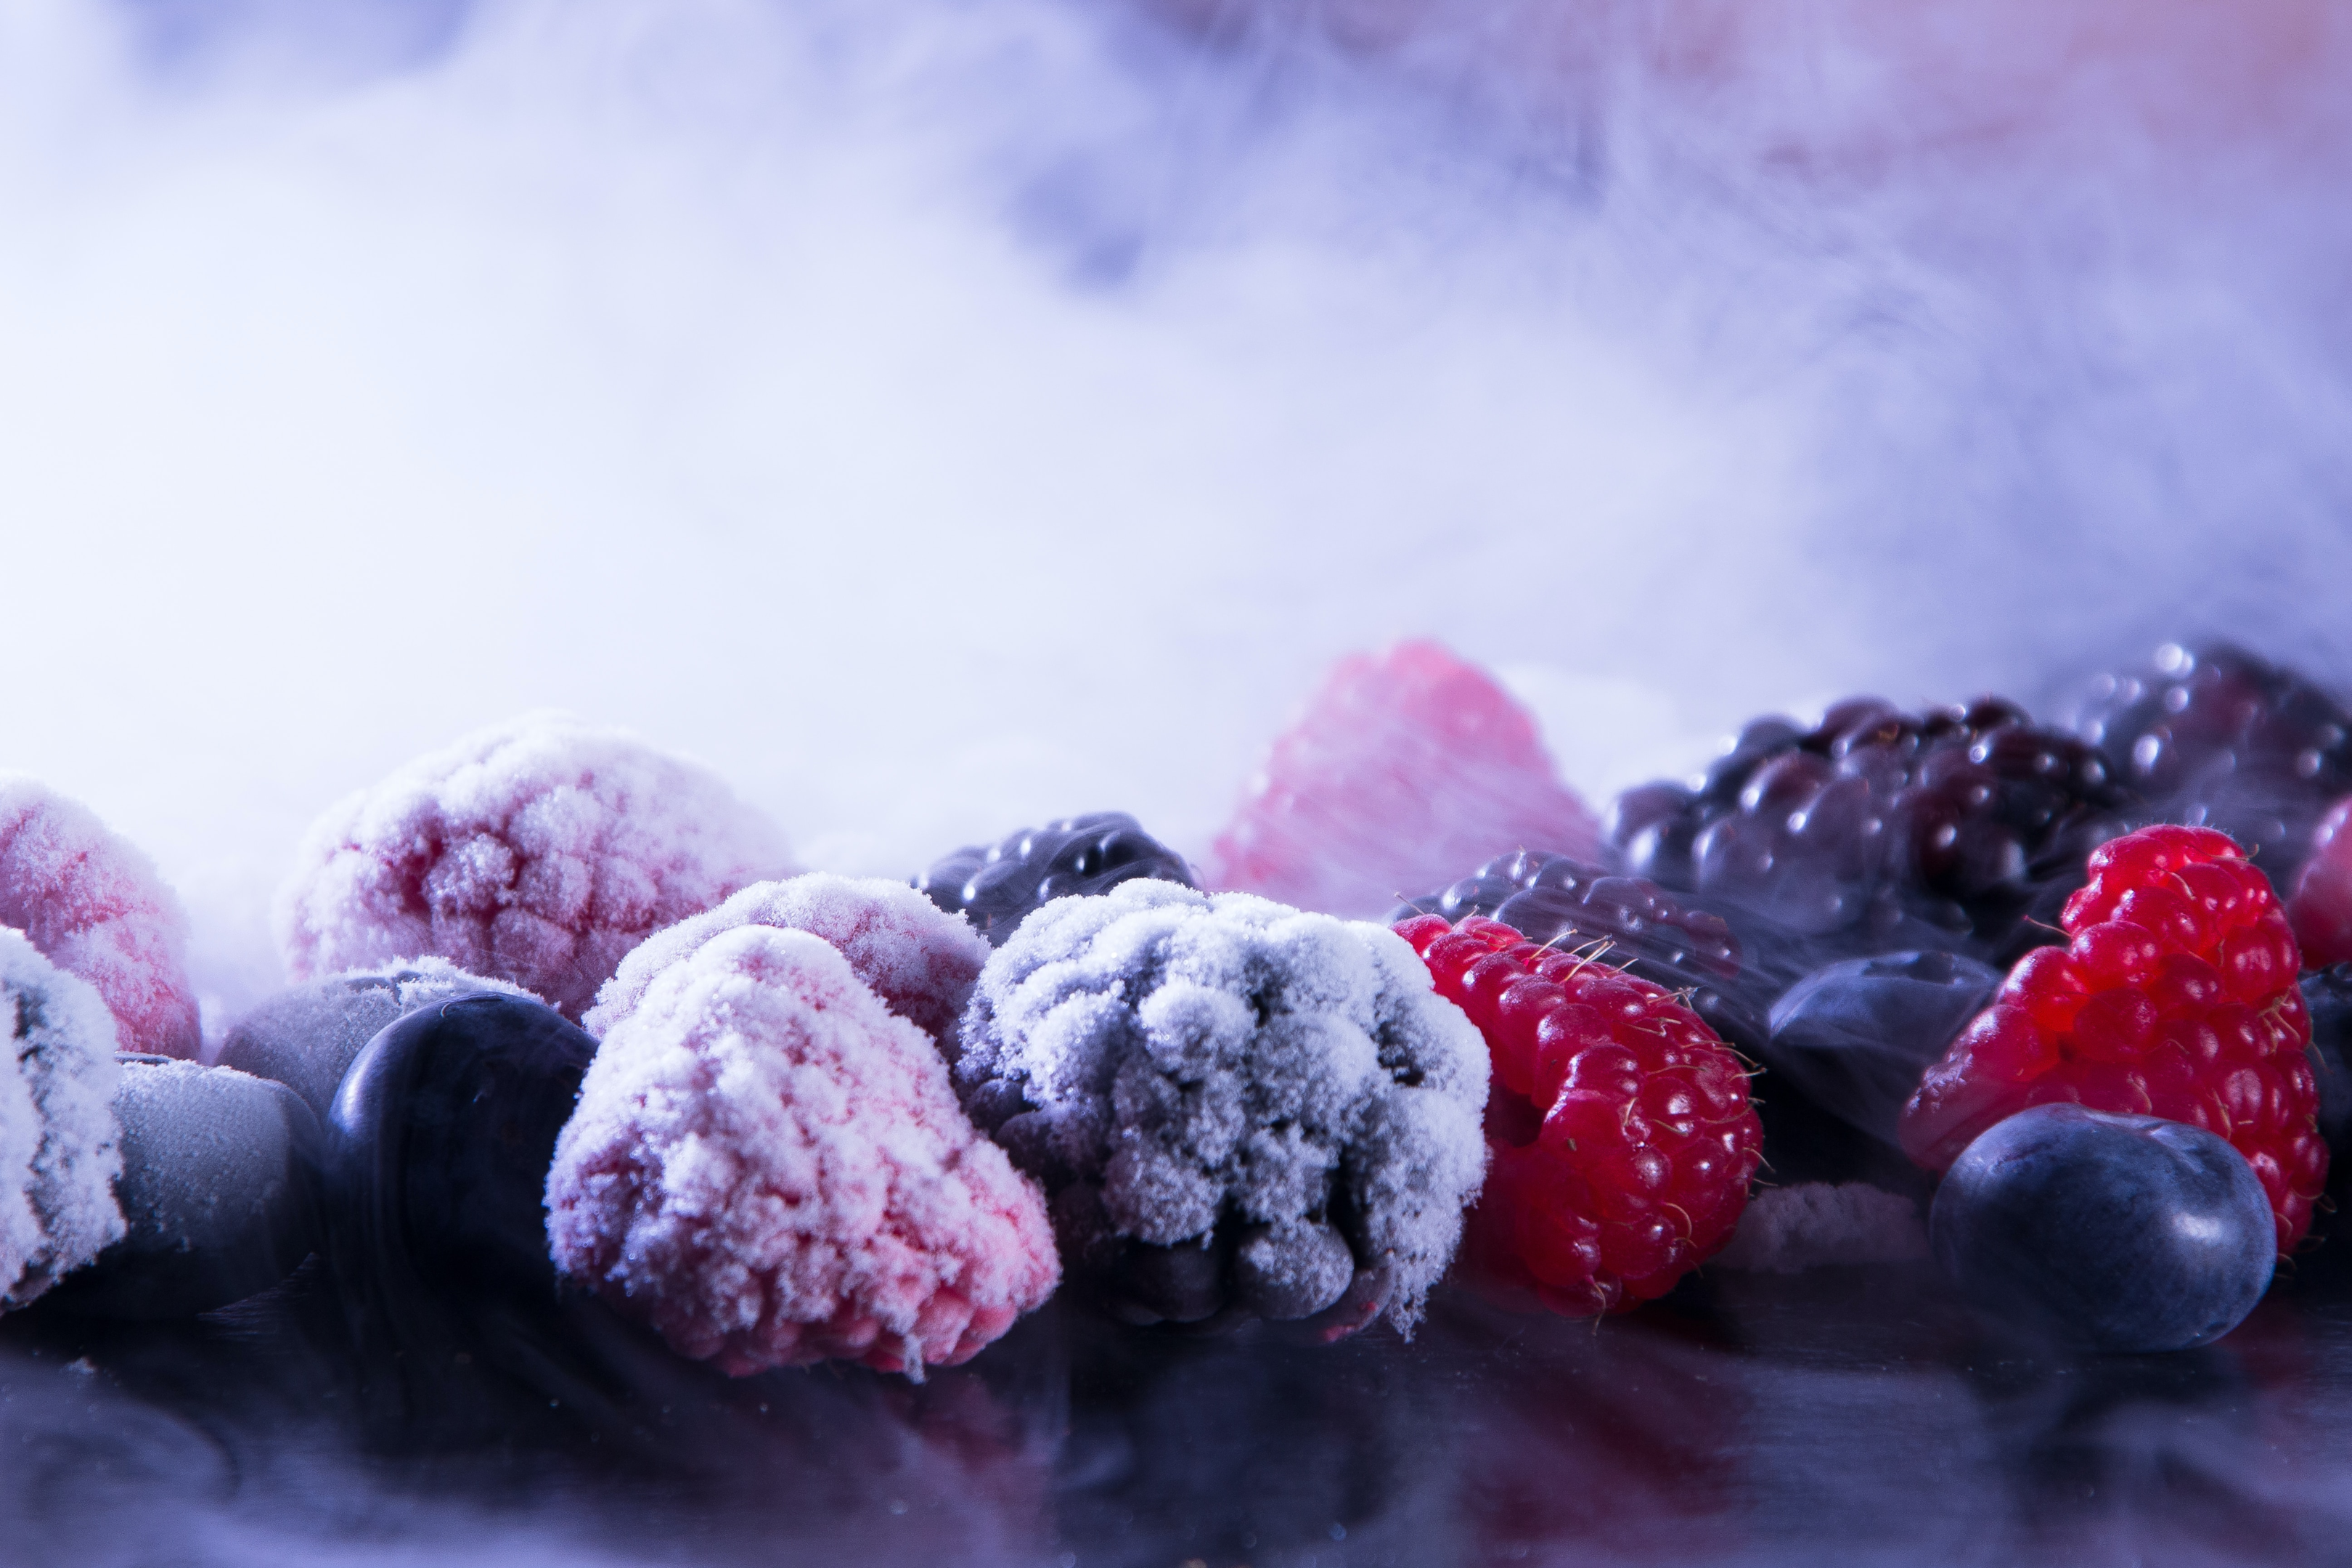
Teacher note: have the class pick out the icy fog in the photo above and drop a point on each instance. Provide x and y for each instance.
(939, 416)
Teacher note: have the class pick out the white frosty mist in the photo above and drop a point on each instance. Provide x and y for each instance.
(940, 416)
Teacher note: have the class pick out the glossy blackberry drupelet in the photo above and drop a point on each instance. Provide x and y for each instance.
(1557, 901)
(218, 1192)
(997, 885)
(1880, 831)
(2114, 1233)
(2216, 737)
(437, 1156)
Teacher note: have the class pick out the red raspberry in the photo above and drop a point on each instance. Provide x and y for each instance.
(2321, 910)
(1403, 770)
(2176, 998)
(1637, 1170)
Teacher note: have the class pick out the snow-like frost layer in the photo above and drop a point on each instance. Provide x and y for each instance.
(1199, 1057)
(918, 960)
(59, 1146)
(1787, 1230)
(95, 907)
(771, 1167)
(306, 1037)
(539, 851)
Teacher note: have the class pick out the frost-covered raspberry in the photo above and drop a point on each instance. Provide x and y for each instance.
(1238, 1108)
(2176, 998)
(920, 962)
(769, 1166)
(2215, 737)
(1402, 770)
(997, 885)
(540, 852)
(1618, 1124)
(95, 907)
(1878, 830)
(60, 1145)
(307, 1035)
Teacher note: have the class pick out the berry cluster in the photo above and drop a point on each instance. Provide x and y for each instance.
(2216, 737)
(1620, 1137)
(2176, 997)
(1878, 830)
(997, 885)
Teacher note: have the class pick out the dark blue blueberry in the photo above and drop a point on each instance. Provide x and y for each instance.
(440, 1142)
(997, 885)
(218, 1193)
(2114, 1233)
(1855, 1037)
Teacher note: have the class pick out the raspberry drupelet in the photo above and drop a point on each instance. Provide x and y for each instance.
(1618, 1129)
(2176, 997)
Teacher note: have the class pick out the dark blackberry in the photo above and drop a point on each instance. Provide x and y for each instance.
(2216, 737)
(1564, 902)
(1963, 828)
(997, 885)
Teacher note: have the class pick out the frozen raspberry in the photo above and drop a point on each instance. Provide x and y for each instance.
(1403, 769)
(1560, 901)
(2176, 998)
(61, 1149)
(2320, 909)
(1878, 830)
(537, 852)
(2217, 737)
(771, 1167)
(920, 962)
(1619, 1135)
(95, 907)
(997, 885)
(1238, 1109)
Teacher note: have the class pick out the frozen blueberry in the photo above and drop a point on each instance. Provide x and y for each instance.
(217, 1191)
(1853, 1037)
(306, 1036)
(439, 1146)
(2116, 1233)
(996, 886)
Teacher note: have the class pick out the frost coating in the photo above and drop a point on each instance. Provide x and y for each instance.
(1787, 1230)
(539, 851)
(306, 1037)
(59, 1147)
(920, 962)
(93, 904)
(770, 1167)
(1171, 1062)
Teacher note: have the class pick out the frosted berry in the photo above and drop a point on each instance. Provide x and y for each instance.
(2176, 997)
(1878, 830)
(997, 885)
(1402, 770)
(2218, 738)
(1620, 1137)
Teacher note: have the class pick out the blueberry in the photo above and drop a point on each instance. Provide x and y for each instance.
(2116, 1233)
(439, 1145)
(996, 886)
(219, 1171)
(1856, 1037)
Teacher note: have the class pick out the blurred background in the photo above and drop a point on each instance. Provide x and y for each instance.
(937, 416)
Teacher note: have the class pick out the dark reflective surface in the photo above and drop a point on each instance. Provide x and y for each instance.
(1844, 1415)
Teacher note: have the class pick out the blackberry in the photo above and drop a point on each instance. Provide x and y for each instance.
(1559, 902)
(997, 885)
(2216, 737)
(1963, 828)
